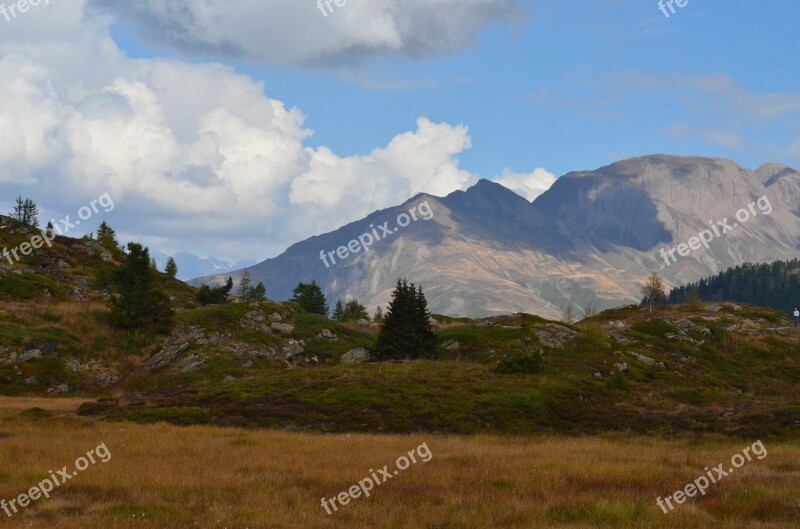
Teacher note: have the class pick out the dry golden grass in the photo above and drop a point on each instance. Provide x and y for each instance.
(169, 477)
(75, 317)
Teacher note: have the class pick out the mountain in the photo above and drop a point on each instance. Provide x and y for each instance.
(592, 238)
(190, 265)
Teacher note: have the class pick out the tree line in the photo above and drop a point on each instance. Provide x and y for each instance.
(775, 285)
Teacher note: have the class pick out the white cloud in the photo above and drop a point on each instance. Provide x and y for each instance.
(297, 32)
(193, 154)
(528, 185)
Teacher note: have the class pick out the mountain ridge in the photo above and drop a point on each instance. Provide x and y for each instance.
(592, 238)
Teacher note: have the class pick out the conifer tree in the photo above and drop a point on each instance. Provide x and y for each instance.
(406, 331)
(338, 311)
(138, 302)
(107, 236)
(310, 298)
(26, 212)
(244, 284)
(171, 269)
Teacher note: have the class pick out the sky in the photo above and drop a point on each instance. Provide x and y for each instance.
(239, 127)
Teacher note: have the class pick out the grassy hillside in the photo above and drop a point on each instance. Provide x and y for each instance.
(721, 368)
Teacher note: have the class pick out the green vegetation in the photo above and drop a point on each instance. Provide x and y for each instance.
(215, 296)
(310, 298)
(351, 311)
(775, 285)
(26, 212)
(406, 330)
(139, 303)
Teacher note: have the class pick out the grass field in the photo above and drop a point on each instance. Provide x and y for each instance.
(163, 476)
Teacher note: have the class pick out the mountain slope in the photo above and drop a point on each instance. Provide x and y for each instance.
(592, 238)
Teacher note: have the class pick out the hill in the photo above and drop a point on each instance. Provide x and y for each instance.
(723, 368)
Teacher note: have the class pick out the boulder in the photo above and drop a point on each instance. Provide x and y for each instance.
(284, 328)
(292, 348)
(168, 354)
(355, 356)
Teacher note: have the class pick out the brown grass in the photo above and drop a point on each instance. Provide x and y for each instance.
(168, 477)
(78, 318)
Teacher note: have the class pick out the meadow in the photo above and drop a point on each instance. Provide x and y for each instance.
(172, 477)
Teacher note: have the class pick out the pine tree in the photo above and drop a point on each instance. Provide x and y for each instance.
(217, 295)
(171, 269)
(310, 298)
(138, 302)
(354, 311)
(425, 336)
(406, 331)
(228, 288)
(26, 212)
(244, 284)
(258, 293)
(378, 317)
(107, 237)
(338, 311)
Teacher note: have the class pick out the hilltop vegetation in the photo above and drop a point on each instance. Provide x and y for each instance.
(775, 285)
(723, 368)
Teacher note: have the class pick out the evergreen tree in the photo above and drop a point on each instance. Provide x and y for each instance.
(26, 212)
(338, 311)
(378, 317)
(215, 296)
(228, 288)
(258, 293)
(425, 336)
(244, 284)
(107, 237)
(138, 302)
(775, 285)
(171, 269)
(354, 311)
(406, 331)
(310, 298)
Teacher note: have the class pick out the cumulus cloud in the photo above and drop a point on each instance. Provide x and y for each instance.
(528, 185)
(297, 32)
(195, 156)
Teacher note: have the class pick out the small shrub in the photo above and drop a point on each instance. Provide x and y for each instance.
(520, 364)
(619, 382)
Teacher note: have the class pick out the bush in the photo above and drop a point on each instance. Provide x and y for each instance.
(619, 382)
(520, 364)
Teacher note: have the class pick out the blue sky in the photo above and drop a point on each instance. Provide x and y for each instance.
(239, 127)
(546, 91)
